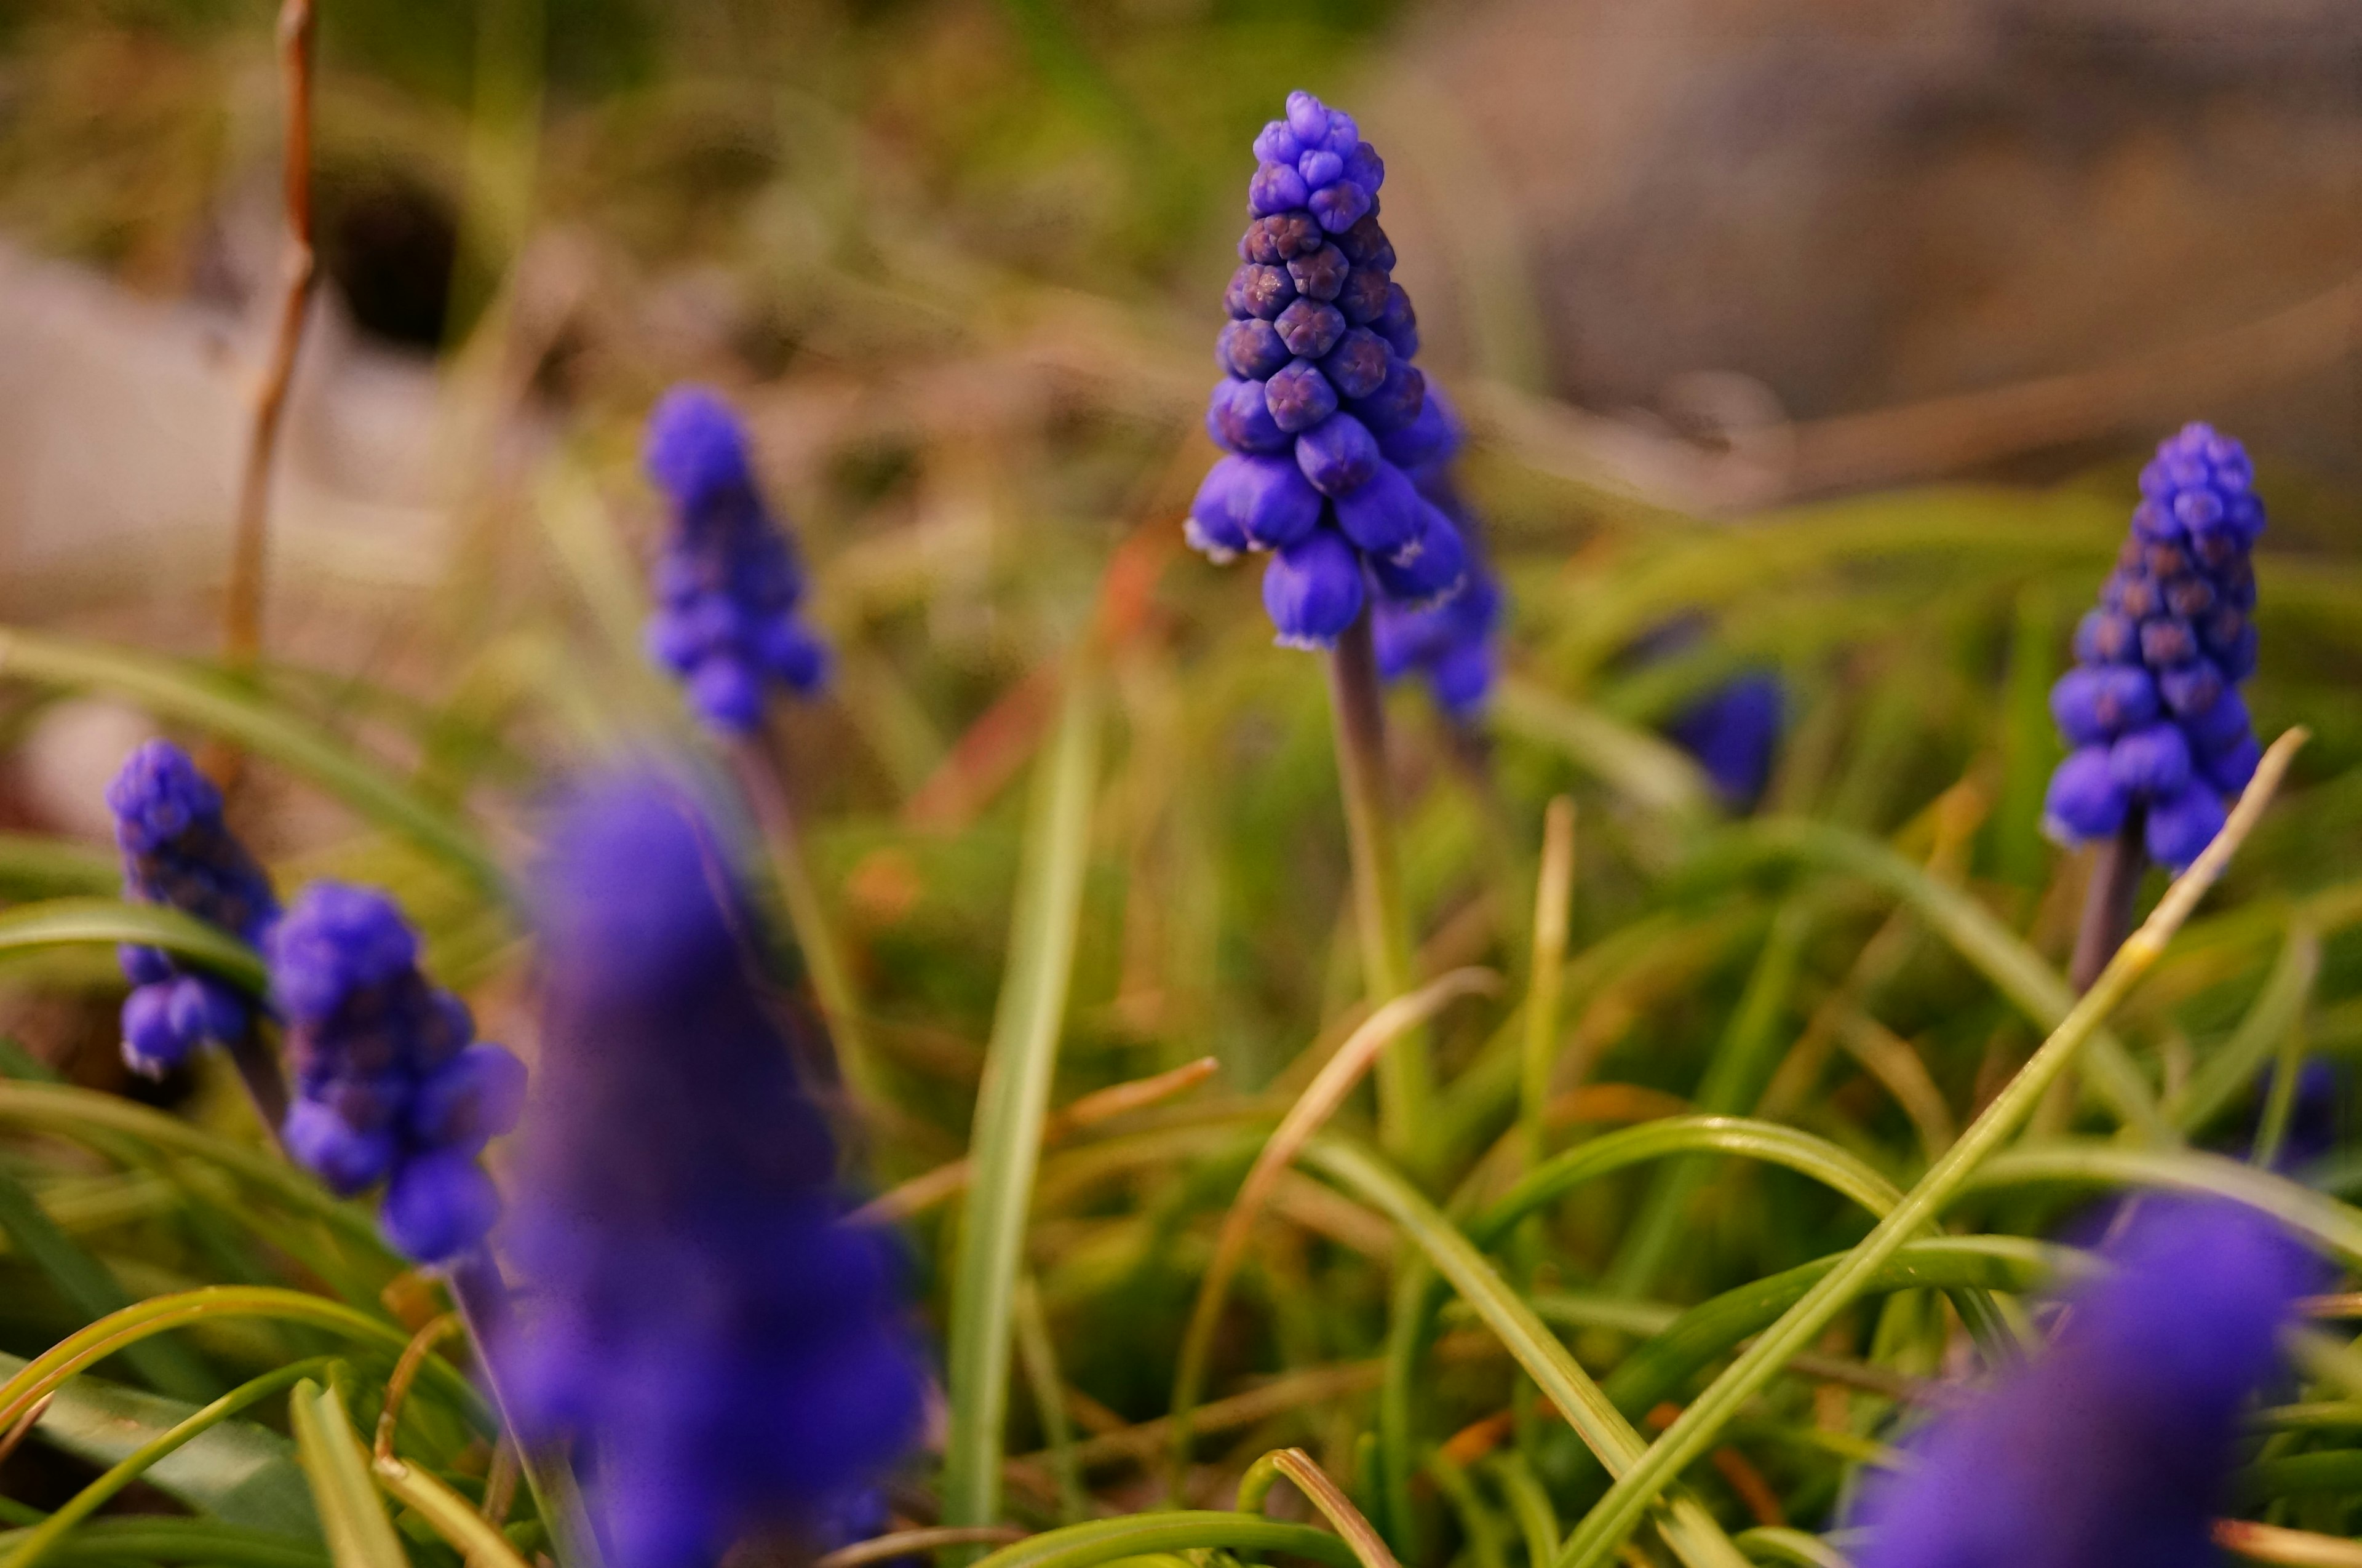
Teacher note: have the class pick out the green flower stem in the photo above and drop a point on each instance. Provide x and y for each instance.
(832, 978)
(482, 1297)
(2116, 868)
(1596, 1539)
(1381, 911)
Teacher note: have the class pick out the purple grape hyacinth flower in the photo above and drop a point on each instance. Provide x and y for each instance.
(179, 853)
(728, 582)
(1733, 731)
(725, 1344)
(391, 1083)
(1326, 422)
(2152, 708)
(2116, 1444)
(1452, 643)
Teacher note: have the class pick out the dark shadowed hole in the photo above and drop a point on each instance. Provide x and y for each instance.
(390, 244)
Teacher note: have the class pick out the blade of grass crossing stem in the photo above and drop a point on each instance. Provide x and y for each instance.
(2270, 1020)
(1690, 1530)
(452, 1516)
(1734, 1080)
(1039, 1355)
(351, 1517)
(1105, 1540)
(1546, 982)
(1972, 931)
(171, 1367)
(1320, 1491)
(1011, 1104)
(212, 701)
(1596, 1539)
(147, 1456)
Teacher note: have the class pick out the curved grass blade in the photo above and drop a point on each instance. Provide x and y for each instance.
(2016, 969)
(257, 1453)
(1012, 1104)
(453, 1517)
(69, 1355)
(1777, 1543)
(358, 1534)
(1688, 1529)
(33, 862)
(96, 1117)
(1320, 1491)
(1105, 1540)
(1651, 773)
(2336, 1226)
(1312, 1110)
(205, 698)
(2275, 1012)
(62, 922)
(1595, 1540)
(115, 1543)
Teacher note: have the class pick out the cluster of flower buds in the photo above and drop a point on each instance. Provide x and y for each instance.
(723, 1342)
(2152, 707)
(1453, 643)
(727, 582)
(1320, 411)
(391, 1084)
(178, 852)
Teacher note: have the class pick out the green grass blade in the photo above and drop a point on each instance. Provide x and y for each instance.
(236, 1463)
(116, 1542)
(1598, 1537)
(1777, 1543)
(453, 1517)
(1105, 1540)
(1734, 1078)
(2276, 1009)
(62, 922)
(91, 1290)
(32, 863)
(1011, 1104)
(209, 699)
(2038, 990)
(2336, 1226)
(1690, 1530)
(351, 1517)
(1648, 771)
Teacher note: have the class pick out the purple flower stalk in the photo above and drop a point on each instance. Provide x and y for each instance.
(1320, 409)
(2152, 707)
(1450, 644)
(178, 852)
(725, 1344)
(391, 1084)
(2116, 1444)
(727, 581)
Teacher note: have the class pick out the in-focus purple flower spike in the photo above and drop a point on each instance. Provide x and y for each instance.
(2116, 1444)
(2152, 707)
(727, 582)
(178, 852)
(1327, 424)
(391, 1084)
(728, 1348)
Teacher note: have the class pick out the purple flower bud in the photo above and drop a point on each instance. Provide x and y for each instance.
(695, 449)
(1385, 516)
(206, 1011)
(1357, 366)
(1293, 235)
(1427, 437)
(1320, 274)
(1398, 404)
(1339, 206)
(2152, 761)
(1338, 455)
(2104, 636)
(323, 1143)
(2086, 800)
(1300, 396)
(1307, 118)
(145, 966)
(1431, 570)
(726, 693)
(2190, 689)
(2093, 703)
(1365, 168)
(791, 651)
(1265, 501)
(1343, 134)
(2230, 769)
(1264, 292)
(438, 1204)
(1310, 328)
(1252, 348)
(1211, 529)
(1312, 591)
(2235, 652)
(1363, 298)
(2181, 826)
(1277, 144)
(1277, 188)
(1398, 324)
(1319, 168)
(1366, 247)
(2220, 725)
(1241, 421)
(152, 1046)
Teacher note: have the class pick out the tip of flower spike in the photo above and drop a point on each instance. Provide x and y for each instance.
(696, 447)
(336, 940)
(158, 795)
